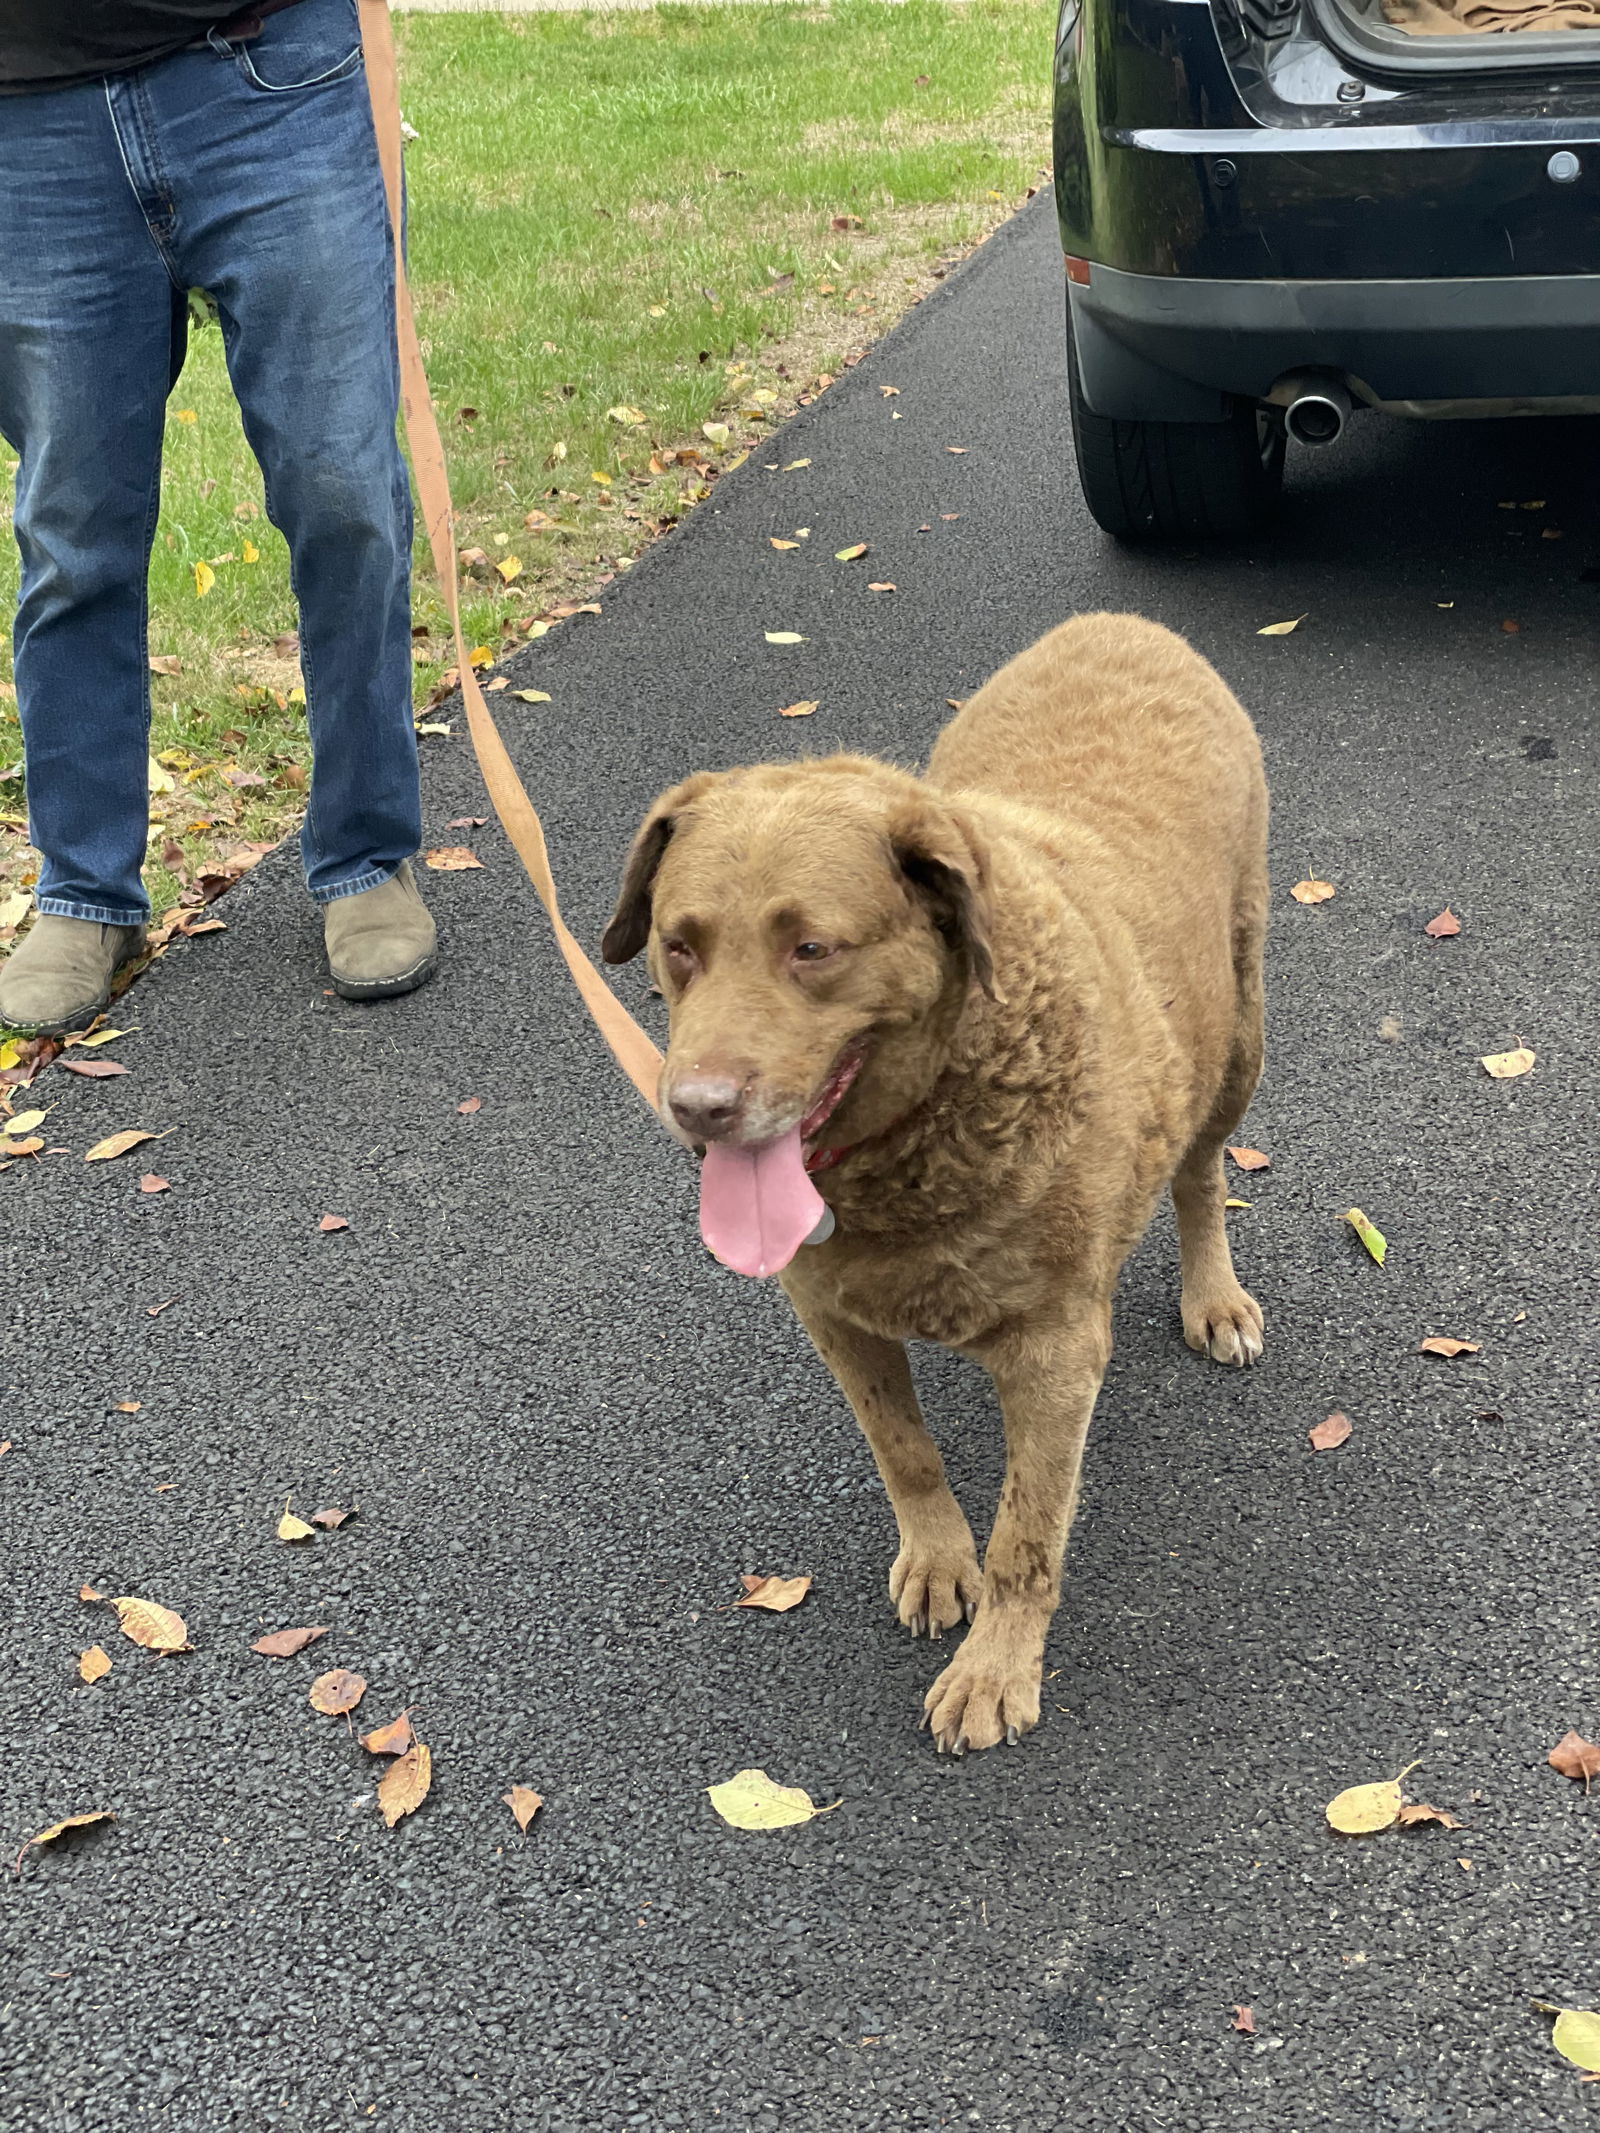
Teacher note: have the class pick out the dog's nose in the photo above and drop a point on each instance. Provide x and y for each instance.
(707, 1105)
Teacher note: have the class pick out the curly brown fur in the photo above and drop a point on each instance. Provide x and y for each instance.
(1048, 952)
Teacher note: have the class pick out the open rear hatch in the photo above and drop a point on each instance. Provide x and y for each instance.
(1461, 37)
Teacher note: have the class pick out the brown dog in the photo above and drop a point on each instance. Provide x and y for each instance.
(992, 1011)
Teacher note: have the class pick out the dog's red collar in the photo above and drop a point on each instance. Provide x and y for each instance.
(821, 1159)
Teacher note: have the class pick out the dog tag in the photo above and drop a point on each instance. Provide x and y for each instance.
(824, 1229)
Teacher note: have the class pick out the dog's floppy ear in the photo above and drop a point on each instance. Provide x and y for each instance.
(630, 922)
(941, 857)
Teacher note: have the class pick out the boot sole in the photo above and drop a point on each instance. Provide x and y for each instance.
(60, 1025)
(386, 988)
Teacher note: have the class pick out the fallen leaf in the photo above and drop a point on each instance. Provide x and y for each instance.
(480, 657)
(165, 663)
(451, 859)
(884, 585)
(528, 696)
(717, 432)
(509, 567)
(155, 1310)
(1506, 1066)
(500, 682)
(794, 464)
(59, 1829)
(100, 1036)
(1442, 1344)
(1280, 629)
(774, 542)
(94, 1069)
(1576, 2036)
(404, 1785)
(88, 1592)
(1236, 1203)
(751, 1800)
(204, 578)
(524, 1803)
(24, 1122)
(1360, 1810)
(393, 1739)
(783, 637)
(1329, 1435)
(157, 1629)
(473, 1103)
(150, 1182)
(1512, 629)
(95, 1664)
(284, 1643)
(803, 709)
(1575, 1758)
(128, 1407)
(1442, 927)
(1244, 2021)
(116, 1144)
(1250, 1159)
(336, 1692)
(467, 822)
(290, 1528)
(777, 1595)
(31, 1146)
(330, 1519)
(1369, 1233)
(1312, 892)
(1416, 1811)
(329, 1223)
(846, 222)
(851, 554)
(630, 417)
(251, 553)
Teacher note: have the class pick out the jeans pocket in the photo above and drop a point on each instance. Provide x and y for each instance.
(306, 46)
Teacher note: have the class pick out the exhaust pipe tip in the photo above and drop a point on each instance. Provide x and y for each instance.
(1317, 410)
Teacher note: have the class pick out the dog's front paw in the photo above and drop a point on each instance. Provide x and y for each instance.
(934, 1586)
(1228, 1326)
(987, 1694)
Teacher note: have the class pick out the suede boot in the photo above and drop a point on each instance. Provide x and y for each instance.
(59, 976)
(382, 941)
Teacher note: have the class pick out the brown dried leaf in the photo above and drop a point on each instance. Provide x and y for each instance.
(151, 1182)
(1576, 1758)
(473, 1103)
(336, 1692)
(393, 1739)
(128, 1407)
(1250, 1159)
(158, 1629)
(94, 1069)
(404, 1785)
(284, 1643)
(95, 1664)
(1244, 2021)
(1442, 927)
(802, 709)
(1312, 892)
(330, 1223)
(59, 1829)
(1442, 1344)
(1416, 1811)
(883, 585)
(777, 1595)
(87, 1592)
(116, 1144)
(451, 859)
(524, 1803)
(330, 1518)
(1329, 1435)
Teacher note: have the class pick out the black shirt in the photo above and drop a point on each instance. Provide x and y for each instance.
(50, 44)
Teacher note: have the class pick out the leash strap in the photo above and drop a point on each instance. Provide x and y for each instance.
(635, 1053)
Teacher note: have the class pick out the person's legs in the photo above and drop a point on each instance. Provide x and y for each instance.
(280, 215)
(91, 338)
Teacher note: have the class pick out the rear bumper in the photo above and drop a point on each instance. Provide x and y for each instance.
(1164, 348)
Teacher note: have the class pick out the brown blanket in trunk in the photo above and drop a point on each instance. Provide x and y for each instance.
(1464, 18)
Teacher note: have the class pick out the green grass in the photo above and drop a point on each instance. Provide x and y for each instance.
(619, 211)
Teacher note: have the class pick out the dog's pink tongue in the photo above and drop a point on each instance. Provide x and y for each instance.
(757, 1206)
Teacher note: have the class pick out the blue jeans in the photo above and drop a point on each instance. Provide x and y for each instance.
(250, 171)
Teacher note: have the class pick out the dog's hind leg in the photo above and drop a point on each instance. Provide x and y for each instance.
(935, 1582)
(1220, 1317)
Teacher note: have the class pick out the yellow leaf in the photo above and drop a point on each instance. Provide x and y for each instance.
(430, 727)
(59, 1829)
(1506, 1066)
(850, 555)
(658, 310)
(1280, 629)
(524, 1803)
(1236, 1203)
(160, 780)
(509, 567)
(533, 696)
(1369, 1233)
(603, 479)
(204, 578)
(184, 414)
(404, 1785)
(24, 1122)
(773, 543)
(717, 432)
(630, 417)
(156, 1628)
(1576, 2036)
(1312, 892)
(803, 709)
(252, 554)
(480, 656)
(784, 637)
(291, 1528)
(751, 1800)
(1360, 1810)
(777, 1595)
(116, 1144)
(101, 1036)
(794, 463)
(95, 1664)
(11, 1052)
(297, 695)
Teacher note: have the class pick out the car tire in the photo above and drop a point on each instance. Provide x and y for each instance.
(1165, 481)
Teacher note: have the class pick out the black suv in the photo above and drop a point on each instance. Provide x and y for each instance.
(1277, 211)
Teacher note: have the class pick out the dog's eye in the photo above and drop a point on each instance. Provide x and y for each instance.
(812, 952)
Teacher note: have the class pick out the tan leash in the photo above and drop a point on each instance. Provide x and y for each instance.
(635, 1053)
